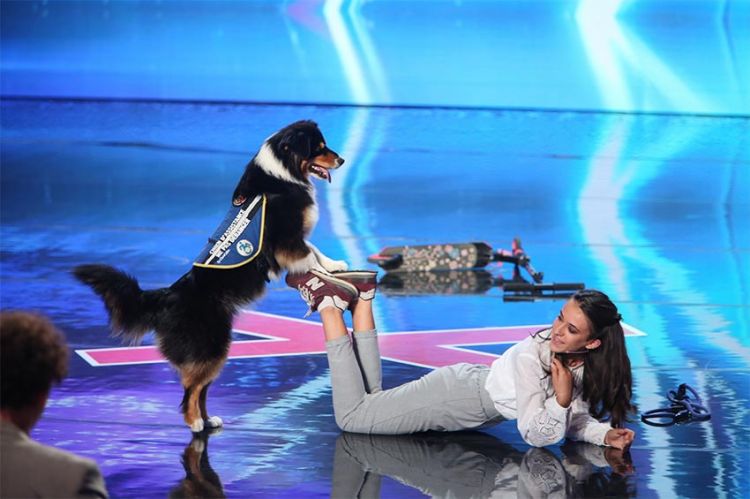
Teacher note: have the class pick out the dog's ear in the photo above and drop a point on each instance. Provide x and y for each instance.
(298, 142)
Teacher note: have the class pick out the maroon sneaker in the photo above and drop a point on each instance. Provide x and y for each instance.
(366, 281)
(321, 290)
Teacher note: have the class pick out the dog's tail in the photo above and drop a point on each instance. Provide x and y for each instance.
(132, 311)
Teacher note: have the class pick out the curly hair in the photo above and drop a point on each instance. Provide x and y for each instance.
(33, 356)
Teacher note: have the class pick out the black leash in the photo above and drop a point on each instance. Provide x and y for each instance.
(686, 407)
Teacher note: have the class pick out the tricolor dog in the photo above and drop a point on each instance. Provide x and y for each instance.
(273, 211)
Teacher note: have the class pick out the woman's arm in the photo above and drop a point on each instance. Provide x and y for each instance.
(541, 420)
(583, 427)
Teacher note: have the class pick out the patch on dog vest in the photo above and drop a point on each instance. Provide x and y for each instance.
(238, 239)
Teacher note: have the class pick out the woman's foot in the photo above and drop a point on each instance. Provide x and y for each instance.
(366, 282)
(321, 290)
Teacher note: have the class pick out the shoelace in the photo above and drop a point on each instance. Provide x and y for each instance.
(686, 407)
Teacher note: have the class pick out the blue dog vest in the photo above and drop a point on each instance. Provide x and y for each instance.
(239, 237)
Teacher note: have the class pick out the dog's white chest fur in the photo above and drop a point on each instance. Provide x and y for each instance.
(310, 217)
(268, 161)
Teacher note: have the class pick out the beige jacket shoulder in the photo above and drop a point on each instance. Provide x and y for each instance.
(31, 469)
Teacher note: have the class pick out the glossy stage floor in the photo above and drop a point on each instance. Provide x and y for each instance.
(652, 209)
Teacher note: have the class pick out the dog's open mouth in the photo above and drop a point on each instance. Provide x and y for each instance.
(319, 171)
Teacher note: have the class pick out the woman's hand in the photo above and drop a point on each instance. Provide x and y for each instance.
(562, 382)
(619, 438)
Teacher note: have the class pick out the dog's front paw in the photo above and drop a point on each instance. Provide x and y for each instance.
(214, 422)
(336, 266)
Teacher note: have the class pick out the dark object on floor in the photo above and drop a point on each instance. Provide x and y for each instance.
(686, 407)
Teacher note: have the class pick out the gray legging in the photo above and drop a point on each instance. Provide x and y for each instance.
(450, 398)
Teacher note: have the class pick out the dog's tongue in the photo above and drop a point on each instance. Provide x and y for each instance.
(321, 172)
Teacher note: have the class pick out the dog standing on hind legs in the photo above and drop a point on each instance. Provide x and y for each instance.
(273, 212)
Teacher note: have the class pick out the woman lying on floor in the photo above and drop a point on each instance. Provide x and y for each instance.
(560, 382)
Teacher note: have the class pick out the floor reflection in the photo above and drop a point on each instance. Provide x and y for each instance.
(474, 464)
(201, 481)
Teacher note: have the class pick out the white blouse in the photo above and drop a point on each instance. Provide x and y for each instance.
(520, 385)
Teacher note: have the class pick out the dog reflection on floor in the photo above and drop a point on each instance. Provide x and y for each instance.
(475, 464)
(200, 481)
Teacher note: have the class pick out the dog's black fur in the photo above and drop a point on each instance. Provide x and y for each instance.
(192, 319)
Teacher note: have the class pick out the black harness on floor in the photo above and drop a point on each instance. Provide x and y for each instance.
(238, 240)
(685, 407)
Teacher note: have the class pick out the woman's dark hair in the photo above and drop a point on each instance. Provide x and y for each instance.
(33, 356)
(607, 379)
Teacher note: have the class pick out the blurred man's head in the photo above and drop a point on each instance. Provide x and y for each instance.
(33, 357)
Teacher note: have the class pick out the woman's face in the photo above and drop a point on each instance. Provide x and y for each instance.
(571, 330)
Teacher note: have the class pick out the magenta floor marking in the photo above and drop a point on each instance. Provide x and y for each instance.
(287, 336)
(442, 348)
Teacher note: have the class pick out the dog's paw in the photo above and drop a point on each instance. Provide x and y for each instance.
(196, 426)
(336, 266)
(214, 422)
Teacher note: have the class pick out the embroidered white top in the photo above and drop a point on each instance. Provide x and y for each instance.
(521, 388)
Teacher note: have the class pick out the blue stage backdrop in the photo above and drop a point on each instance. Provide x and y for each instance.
(675, 56)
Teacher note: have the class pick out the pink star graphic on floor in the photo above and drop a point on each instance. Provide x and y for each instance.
(282, 336)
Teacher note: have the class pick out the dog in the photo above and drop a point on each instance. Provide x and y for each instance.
(192, 318)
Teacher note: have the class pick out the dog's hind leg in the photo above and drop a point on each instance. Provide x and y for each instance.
(195, 377)
(190, 408)
(209, 421)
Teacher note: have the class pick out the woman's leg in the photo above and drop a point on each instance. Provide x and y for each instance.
(347, 383)
(331, 296)
(362, 318)
(449, 398)
(366, 349)
(333, 323)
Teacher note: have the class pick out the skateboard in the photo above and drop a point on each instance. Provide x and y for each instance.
(451, 256)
